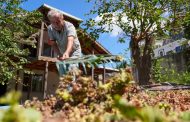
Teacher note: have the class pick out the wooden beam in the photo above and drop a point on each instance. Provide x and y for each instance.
(40, 42)
(45, 80)
(92, 72)
(86, 51)
(40, 64)
(93, 66)
(104, 72)
(29, 87)
(17, 80)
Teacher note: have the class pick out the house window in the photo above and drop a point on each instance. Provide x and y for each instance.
(37, 83)
(33, 82)
(161, 52)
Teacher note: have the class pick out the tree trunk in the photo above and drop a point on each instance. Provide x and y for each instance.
(144, 70)
(142, 59)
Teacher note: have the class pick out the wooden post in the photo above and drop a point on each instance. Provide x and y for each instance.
(29, 87)
(92, 71)
(45, 80)
(104, 72)
(40, 42)
(17, 80)
(92, 66)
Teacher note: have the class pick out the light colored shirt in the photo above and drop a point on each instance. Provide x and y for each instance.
(61, 38)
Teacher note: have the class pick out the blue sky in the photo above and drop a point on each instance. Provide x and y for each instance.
(79, 8)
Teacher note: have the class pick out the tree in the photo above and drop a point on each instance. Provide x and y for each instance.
(14, 30)
(186, 25)
(142, 21)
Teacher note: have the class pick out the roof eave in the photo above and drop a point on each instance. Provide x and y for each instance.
(64, 13)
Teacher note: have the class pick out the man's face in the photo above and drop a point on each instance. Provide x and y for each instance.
(57, 23)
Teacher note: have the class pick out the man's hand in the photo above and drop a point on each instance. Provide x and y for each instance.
(64, 56)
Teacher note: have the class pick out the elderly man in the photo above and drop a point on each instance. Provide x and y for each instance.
(63, 38)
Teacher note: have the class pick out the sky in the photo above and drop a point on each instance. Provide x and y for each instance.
(79, 8)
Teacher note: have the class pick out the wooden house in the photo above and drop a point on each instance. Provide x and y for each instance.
(45, 79)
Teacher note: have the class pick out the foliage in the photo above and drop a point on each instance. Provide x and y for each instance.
(156, 70)
(185, 116)
(86, 102)
(186, 25)
(15, 112)
(14, 30)
(146, 114)
(136, 18)
(85, 90)
(123, 64)
(162, 73)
